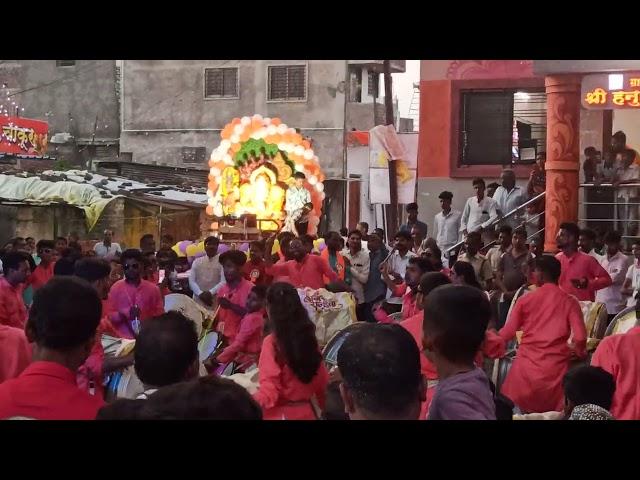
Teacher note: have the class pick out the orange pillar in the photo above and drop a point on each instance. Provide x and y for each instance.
(563, 154)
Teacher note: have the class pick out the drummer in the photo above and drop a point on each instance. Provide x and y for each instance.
(247, 344)
(97, 272)
(166, 352)
(232, 296)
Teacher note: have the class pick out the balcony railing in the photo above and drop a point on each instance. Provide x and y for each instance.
(501, 219)
(604, 210)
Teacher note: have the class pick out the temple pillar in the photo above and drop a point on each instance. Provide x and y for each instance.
(563, 154)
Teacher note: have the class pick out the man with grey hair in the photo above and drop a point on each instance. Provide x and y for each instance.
(107, 249)
(509, 196)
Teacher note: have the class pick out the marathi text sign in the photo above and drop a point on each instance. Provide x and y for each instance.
(23, 136)
(611, 91)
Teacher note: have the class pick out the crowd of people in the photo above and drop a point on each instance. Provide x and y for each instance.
(432, 323)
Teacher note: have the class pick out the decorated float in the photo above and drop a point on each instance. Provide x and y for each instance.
(252, 168)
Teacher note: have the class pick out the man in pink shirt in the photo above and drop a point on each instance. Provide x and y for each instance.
(304, 270)
(15, 352)
(548, 317)
(620, 356)
(582, 275)
(16, 271)
(44, 271)
(232, 296)
(248, 341)
(62, 326)
(133, 298)
(408, 290)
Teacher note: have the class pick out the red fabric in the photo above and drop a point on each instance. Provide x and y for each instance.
(47, 391)
(123, 296)
(307, 273)
(409, 305)
(256, 274)
(620, 356)
(548, 317)
(248, 341)
(40, 276)
(12, 309)
(581, 265)
(279, 387)
(238, 296)
(15, 352)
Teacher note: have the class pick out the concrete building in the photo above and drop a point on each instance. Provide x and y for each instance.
(78, 99)
(172, 111)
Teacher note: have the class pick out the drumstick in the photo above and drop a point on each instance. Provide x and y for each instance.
(389, 256)
(210, 322)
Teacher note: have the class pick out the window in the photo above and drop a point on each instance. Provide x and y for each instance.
(502, 127)
(221, 82)
(287, 82)
(372, 87)
(193, 154)
(65, 63)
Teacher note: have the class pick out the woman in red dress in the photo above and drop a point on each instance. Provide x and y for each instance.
(292, 375)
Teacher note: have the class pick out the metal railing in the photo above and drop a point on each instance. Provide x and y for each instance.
(501, 219)
(619, 224)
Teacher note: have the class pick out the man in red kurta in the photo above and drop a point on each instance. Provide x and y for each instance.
(408, 290)
(247, 343)
(548, 317)
(15, 352)
(620, 356)
(133, 297)
(232, 296)
(304, 270)
(90, 375)
(255, 268)
(62, 325)
(16, 271)
(44, 271)
(581, 275)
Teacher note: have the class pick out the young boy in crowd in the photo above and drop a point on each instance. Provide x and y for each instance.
(455, 321)
(380, 370)
(246, 346)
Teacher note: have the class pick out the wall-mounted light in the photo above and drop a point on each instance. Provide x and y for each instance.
(522, 95)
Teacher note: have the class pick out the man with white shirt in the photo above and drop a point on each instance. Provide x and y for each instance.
(447, 226)
(586, 242)
(106, 248)
(479, 211)
(206, 276)
(616, 264)
(509, 196)
(632, 280)
(399, 259)
(359, 261)
(627, 197)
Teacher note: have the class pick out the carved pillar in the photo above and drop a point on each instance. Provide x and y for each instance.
(563, 154)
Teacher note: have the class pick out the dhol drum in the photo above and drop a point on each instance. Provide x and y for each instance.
(595, 322)
(623, 322)
(330, 351)
(209, 345)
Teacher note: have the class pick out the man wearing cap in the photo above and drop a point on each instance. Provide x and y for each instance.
(412, 221)
(446, 225)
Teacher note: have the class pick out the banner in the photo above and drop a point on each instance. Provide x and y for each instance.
(385, 144)
(23, 136)
(610, 91)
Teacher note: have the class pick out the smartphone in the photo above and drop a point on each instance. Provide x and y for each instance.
(161, 274)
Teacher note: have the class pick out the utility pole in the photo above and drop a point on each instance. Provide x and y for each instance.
(392, 210)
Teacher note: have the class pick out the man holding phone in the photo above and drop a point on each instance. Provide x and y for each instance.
(581, 275)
